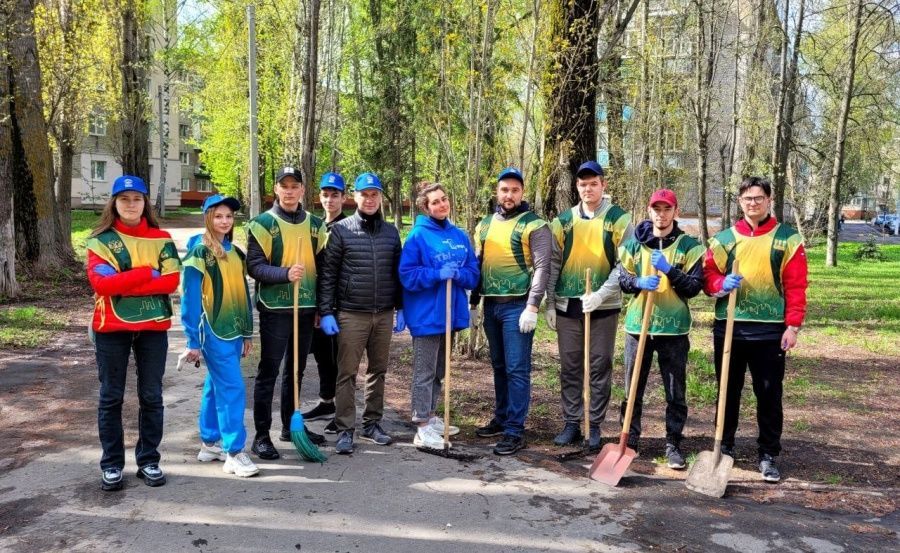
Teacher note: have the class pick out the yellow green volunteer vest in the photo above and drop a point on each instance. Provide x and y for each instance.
(671, 315)
(587, 244)
(506, 265)
(284, 245)
(760, 297)
(124, 252)
(224, 291)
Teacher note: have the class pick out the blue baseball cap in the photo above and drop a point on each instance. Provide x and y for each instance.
(366, 181)
(217, 199)
(129, 183)
(332, 180)
(511, 173)
(589, 168)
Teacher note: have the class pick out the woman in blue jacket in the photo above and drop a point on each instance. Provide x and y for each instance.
(436, 250)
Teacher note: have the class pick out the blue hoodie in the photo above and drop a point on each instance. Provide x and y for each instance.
(429, 246)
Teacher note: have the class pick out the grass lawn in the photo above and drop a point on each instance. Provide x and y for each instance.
(27, 327)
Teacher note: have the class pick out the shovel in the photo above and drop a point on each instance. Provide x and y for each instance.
(711, 470)
(614, 459)
(586, 385)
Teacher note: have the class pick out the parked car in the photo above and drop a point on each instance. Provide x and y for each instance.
(891, 224)
(878, 221)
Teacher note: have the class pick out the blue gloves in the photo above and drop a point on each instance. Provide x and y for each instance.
(104, 270)
(731, 282)
(659, 261)
(329, 325)
(155, 273)
(401, 322)
(448, 271)
(648, 282)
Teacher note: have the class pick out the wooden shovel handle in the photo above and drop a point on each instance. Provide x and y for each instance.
(447, 332)
(636, 369)
(726, 362)
(586, 384)
(296, 330)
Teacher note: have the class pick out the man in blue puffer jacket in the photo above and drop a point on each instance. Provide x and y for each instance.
(435, 251)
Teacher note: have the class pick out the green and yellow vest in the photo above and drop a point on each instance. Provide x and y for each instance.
(760, 297)
(506, 264)
(224, 291)
(124, 252)
(284, 245)
(587, 243)
(671, 315)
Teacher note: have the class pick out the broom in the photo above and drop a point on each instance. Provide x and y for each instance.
(305, 448)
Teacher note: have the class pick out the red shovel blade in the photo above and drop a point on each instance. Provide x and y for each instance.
(611, 464)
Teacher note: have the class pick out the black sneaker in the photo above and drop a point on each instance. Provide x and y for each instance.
(321, 411)
(570, 434)
(509, 445)
(769, 470)
(674, 458)
(729, 450)
(264, 448)
(373, 433)
(152, 475)
(316, 439)
(285, 435)
(111, 480)
(594, 440)
(344, 443)
(492, 428)
(331, 428)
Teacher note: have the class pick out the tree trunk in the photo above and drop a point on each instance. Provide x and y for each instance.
(9, 287)
(529, 85)
(135, 127)
(834, 197)
(54, 249)
(310, 80)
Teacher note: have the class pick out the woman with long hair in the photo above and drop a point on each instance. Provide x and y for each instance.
(436, 250)
(132, 266)
(218, 322)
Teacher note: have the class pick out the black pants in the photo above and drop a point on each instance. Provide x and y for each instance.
(765, 358)
(113, 351)
(324, 349)
(276, 346)
(672, 355)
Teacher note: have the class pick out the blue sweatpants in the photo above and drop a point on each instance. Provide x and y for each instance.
(223, 400)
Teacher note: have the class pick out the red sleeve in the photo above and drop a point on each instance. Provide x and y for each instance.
(712, 276)
(794, 283)
(120, 284)
(165, 284)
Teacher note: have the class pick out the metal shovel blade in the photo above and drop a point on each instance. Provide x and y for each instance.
(611, 464)
(710, 473)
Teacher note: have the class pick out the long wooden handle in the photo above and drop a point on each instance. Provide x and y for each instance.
(586, 384)
(447, 331)
(636, 369)
(296, 339)
(726, 362)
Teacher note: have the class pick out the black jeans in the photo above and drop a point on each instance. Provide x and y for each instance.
(324, 349)
(672, 356)
(113, 350)
(276, 331)
(765, 359)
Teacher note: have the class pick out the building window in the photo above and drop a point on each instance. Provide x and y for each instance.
(183, 157)
(98, 170)
(203, 185)
(185, 185)
(97, 125)
(184, 131)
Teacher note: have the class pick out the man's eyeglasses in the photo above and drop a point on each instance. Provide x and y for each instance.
(753, 199)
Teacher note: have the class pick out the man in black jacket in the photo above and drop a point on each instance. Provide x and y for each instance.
(359, 288)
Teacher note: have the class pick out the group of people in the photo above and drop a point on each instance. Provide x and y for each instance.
(355, 284)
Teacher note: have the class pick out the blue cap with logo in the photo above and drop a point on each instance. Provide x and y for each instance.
(589, 168)
(217, 199)
(332, 180)
(511, 173)
(366, 181)
(129, 183)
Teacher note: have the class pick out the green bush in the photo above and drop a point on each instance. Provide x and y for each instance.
(869, 251)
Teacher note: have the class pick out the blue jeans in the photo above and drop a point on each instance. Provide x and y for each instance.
(113, 351)
(511, 360)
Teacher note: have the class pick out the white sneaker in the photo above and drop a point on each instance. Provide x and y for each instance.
(438, 425)
(210, 452)
(427, 437)
(240, 464)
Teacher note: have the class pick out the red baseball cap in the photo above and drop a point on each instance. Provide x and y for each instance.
(665, 196)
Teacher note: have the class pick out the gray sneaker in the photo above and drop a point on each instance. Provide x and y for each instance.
(375, 434)
(768, 468)
(344, 444)
(674, 458)
(111, 480)
(152, 475)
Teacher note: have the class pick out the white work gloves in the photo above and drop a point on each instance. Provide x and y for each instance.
(590, 302)
(527, 321)
(550, 315)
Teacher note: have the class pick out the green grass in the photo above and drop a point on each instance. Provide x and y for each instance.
(83, 221)
(27, 327)
(702, 386)
(801, 425)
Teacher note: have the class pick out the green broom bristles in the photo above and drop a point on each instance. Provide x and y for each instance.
(305, 448)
